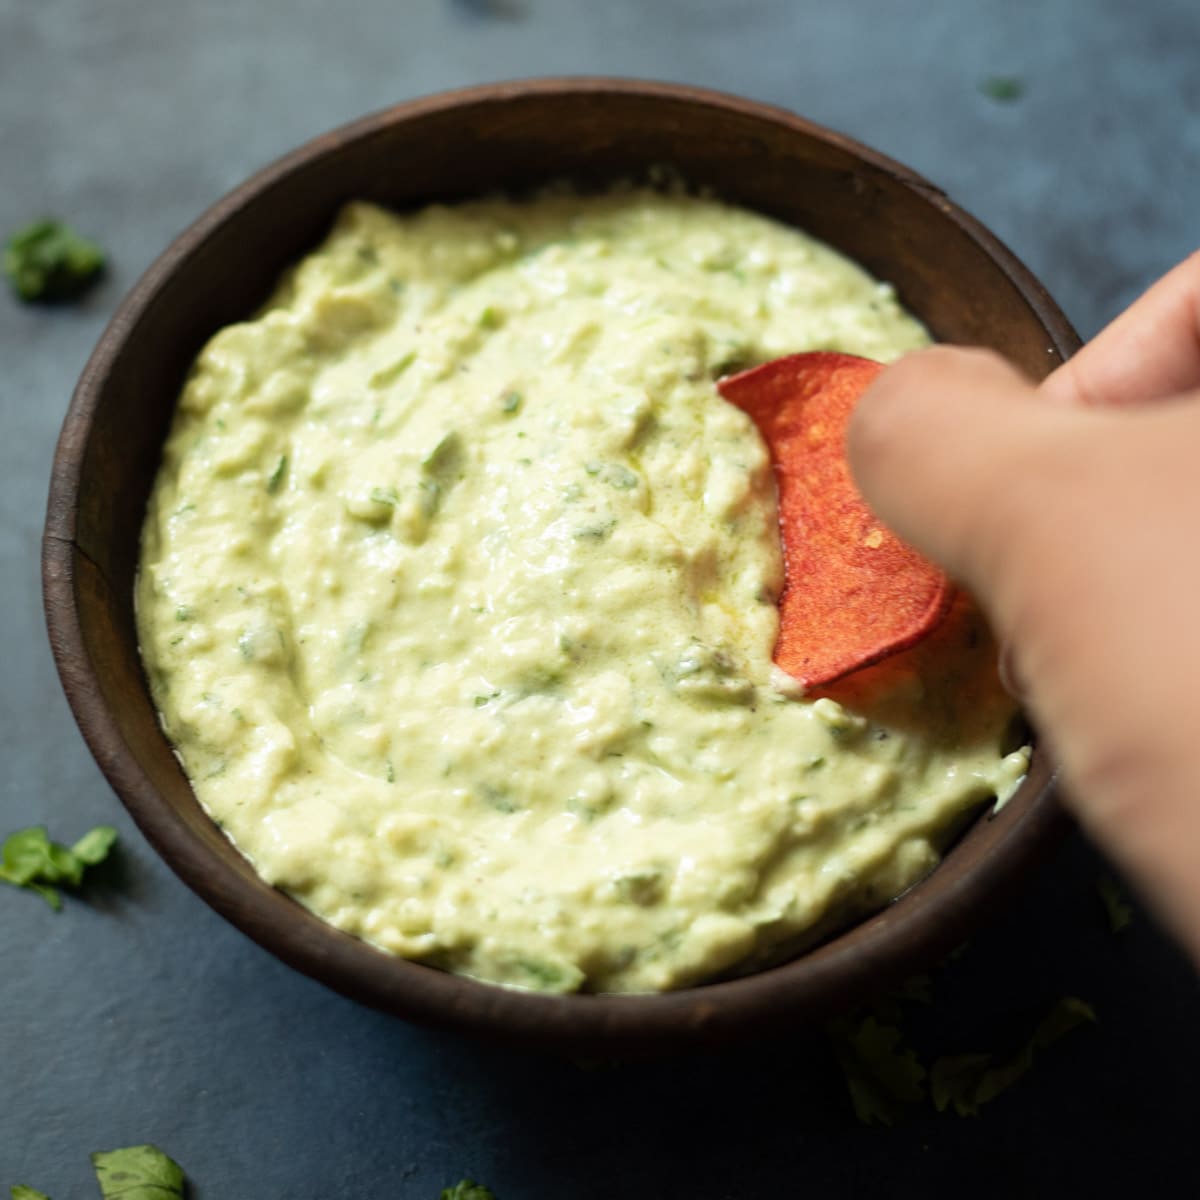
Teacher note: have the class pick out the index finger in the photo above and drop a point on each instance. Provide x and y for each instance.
(1151, 351)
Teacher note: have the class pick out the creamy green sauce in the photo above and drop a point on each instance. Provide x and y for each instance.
(457, 598)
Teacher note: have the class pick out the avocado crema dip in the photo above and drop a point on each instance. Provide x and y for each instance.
(458, 597)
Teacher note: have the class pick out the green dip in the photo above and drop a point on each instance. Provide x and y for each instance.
(457, 598)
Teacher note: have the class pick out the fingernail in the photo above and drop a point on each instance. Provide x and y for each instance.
(1010, 676)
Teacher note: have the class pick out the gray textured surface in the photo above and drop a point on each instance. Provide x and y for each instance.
(139, 1015)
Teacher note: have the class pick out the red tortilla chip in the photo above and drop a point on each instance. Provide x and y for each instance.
(853, 592)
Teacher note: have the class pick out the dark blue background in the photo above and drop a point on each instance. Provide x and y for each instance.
(138, 1015)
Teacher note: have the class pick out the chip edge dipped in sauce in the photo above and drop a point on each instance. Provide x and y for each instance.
(853, 593)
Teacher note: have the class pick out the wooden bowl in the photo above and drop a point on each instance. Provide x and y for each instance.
(947, 269)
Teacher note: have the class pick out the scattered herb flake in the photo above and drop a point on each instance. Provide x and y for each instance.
(138, 1173)
(884, 1076)
(48, 261)
(955, 1079)
(467, 1189)
(553, 977)
(1004, 89)
(596, 533)
(94, 846)
(275, 480)
(393, 371)
(510, 402)
(958, 951)
(132, 1173)
(965, 1081)
(621, 477)
(446, 458)
(29, 859)
(499, 10)
(1116, 903)
(889, 1007)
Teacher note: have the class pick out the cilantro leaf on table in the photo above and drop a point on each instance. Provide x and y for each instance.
(130, 1173)
(29, 859)
(965, 1081)
(47, 261)
(1116, 903)
(916, 989)
(1004, 89)
(467, 1189)
(884, 1076)
(138, 1173)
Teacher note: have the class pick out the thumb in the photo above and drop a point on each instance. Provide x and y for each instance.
(938, 446)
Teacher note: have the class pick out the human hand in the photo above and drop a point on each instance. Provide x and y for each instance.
(1071, 510)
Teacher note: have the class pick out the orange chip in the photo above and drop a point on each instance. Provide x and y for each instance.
(853, 592)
